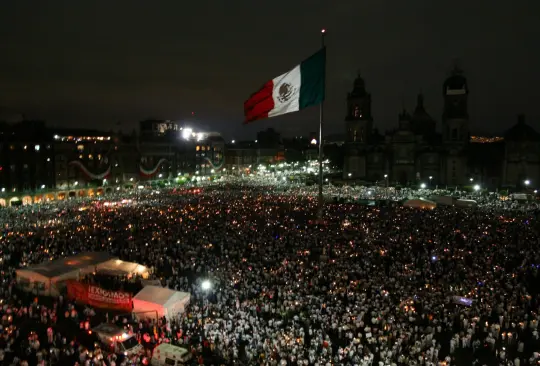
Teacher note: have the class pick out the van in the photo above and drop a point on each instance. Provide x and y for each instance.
(117, 340)
(166, 354)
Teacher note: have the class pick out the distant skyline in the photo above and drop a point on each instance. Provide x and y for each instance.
(94, 64)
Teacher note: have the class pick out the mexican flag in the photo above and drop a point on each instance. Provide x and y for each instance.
(301, 87)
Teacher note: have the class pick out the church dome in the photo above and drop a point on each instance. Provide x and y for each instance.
(359, 87)
(456, 81)
(359, 83)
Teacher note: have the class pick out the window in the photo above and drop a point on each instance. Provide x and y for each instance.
(454, 133)
(354, 135)
(356, 113)
(80, 148)
(170, 361)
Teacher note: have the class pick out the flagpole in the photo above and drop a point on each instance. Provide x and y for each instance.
(321, 116)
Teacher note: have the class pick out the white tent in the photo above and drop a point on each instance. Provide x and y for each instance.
(160, 301)
(419, 203)
(49, 278)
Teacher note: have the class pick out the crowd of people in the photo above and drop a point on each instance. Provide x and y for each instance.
(364, 286)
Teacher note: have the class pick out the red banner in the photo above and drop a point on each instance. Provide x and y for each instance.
(98, 297)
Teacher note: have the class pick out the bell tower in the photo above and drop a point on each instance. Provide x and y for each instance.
(358, 120)
(455, 119)
(455, 127)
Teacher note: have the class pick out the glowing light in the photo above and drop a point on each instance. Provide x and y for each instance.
(314, 142)
(186, 133)
(527, 182)
(206, 285)
(476, 187)
(423, 185)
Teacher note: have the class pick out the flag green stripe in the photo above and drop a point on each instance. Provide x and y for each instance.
(313, 79)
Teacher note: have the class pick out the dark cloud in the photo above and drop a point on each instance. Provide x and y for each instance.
(94, 63)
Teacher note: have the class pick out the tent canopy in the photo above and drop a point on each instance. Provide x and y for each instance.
(161, 301)
(67, 265)
(419, 203)
(120, 267)
(160, 295)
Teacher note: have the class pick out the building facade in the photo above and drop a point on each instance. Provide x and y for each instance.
(416, 152)
(36, 160)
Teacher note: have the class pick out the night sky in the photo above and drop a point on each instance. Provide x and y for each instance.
(95, 63)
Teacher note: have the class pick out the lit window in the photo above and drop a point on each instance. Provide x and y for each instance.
(80, 148)
(90, 156)
(99, 157)
(197, 148)
(81, 156)
(37, 147)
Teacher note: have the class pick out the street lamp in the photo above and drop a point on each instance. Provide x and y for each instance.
(527, 182)
(471, 179)
(349, 175)
(386, 185)
(423, 185)
(476, 187)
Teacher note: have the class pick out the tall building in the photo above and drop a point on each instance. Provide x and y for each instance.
(455, 129)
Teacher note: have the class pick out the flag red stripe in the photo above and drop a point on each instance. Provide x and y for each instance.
(259, 104)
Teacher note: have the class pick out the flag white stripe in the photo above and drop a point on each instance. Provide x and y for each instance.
(286, 92)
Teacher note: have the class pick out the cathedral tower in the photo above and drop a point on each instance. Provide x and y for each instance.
(359, 122)
(455, 119)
